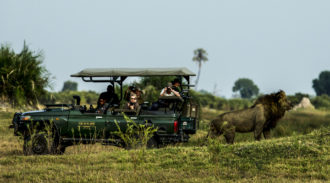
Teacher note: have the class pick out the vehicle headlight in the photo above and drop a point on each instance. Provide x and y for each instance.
(25, 118)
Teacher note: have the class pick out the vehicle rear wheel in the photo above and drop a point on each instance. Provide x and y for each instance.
(152, 143)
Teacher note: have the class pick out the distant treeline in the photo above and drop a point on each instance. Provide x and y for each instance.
(205, 99)
(66, 97)
(209, 100)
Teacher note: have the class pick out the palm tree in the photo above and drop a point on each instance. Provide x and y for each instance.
(200, 55)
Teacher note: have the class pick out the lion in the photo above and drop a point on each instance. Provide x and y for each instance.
(259, 118)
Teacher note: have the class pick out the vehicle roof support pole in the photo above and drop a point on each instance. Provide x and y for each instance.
(122, 79)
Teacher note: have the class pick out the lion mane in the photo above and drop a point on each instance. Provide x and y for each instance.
(260, 118)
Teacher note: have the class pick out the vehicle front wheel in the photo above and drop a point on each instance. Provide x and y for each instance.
(42, 143)
(36, 144)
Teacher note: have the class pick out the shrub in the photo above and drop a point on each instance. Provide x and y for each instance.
(321, 102)
(23, 79)
(136, 135)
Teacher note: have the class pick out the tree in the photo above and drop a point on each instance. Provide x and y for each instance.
(70, 86)
(322, 84)
(22, 77)
(200, 55)
(246, 88)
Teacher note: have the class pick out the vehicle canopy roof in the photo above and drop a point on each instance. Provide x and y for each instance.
(116, 72)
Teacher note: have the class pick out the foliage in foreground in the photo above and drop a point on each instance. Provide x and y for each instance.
(136, 135)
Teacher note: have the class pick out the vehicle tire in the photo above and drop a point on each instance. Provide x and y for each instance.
(152, 143)
(36, 144)
(43, 143)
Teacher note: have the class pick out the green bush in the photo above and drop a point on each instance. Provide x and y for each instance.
(23, 79)
(206, 99)
(136, 135)
(321, 102)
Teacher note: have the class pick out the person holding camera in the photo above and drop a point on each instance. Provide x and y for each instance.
(169, 91)
(132, 104)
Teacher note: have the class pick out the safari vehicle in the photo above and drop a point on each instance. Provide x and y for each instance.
(61, 125)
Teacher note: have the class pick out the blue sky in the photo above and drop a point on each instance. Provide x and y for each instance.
(279, 44)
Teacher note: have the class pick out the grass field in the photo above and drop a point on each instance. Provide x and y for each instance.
(298, 153)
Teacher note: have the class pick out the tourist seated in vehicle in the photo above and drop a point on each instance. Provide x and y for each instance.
(132, 104)
(132, 90)
(169, 91)
(109, 97)
(103, 107)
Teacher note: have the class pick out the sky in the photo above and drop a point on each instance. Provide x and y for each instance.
(279, 44)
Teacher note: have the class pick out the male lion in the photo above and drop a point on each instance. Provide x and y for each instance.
(259, 118)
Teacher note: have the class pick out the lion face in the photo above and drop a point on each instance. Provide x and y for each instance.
(283, 101)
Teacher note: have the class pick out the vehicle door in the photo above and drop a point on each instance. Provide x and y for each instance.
(86, 125)
(119, 120)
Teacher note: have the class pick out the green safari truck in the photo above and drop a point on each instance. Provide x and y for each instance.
(58, 126)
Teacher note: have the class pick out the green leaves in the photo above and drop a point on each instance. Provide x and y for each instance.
(322, 84)
(136, 135)
(70, 86)
(22, 77)
(200, 55)
(246, 88)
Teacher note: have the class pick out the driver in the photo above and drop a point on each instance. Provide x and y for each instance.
(109, 97)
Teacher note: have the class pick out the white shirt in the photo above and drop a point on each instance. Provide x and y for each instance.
(167, 94)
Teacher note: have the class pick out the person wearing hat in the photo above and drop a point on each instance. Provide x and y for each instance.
(109, 97)
(132, 90)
